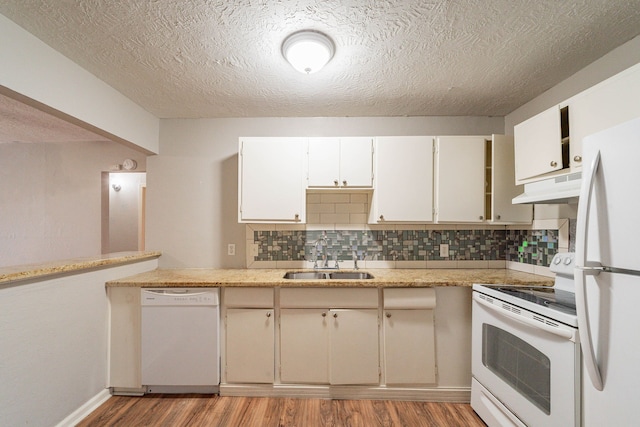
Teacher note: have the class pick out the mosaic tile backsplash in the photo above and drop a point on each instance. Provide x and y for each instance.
(535, 247)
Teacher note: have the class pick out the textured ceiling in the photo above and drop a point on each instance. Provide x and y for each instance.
(202, 58)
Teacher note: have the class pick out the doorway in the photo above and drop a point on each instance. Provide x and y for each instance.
(123, 211)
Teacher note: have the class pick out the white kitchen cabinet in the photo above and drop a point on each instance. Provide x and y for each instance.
(249, 331)
(614, 101)
(403, 180)
(304, 341)
(500, 173)
(460, 179)
(272, 180)
(340, 162)
(329, 336)
(409, 336)
(250, 345)
(354, 347)
(409, 347)
(539, 144)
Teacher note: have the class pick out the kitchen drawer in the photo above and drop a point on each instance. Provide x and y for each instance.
(328, 298)
(409, 298)
(248, 297)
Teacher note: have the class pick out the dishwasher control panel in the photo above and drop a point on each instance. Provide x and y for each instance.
(179, 296)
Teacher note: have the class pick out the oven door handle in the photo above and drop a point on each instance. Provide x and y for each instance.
(569, 335)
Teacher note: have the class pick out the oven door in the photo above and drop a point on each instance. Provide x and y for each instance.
(527, 363)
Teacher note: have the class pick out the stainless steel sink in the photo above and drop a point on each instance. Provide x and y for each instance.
(320, 275)
(350, 275)
(306, 275)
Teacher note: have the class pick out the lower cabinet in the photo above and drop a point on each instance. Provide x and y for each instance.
(249, 319)
(409, 336)
(329, 346)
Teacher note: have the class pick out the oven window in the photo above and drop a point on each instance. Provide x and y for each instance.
(519, 364)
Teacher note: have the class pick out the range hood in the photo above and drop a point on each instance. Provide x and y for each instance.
(561, 189)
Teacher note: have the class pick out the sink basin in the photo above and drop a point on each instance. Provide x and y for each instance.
(336, 275)
(350, 275)
(305, 275)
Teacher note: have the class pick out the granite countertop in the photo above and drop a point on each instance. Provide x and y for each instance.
(381, 278)
(75, 265)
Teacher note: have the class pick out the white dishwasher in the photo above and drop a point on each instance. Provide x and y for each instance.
(180, 340)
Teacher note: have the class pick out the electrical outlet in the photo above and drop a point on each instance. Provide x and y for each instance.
(444, 250)
(231, 249)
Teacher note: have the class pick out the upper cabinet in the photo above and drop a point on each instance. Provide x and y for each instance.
(542, 144)
(403, 179)
(475, 181)
(341, 162)
(271, 180)
(550, 143)
(460, 178)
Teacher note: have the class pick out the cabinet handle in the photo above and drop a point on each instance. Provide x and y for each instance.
(335, 182)
(480, 217)
(296, 217)
(388, 315)
(335, 315)
(268, 314)
(344, 183)
(497, 216)
(324, 314)
(553, 163)
(577, 158)
(381, 217)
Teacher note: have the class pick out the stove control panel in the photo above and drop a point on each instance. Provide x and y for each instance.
(563, 264)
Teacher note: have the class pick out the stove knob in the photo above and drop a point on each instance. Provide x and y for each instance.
(567, 261)
(557, 260)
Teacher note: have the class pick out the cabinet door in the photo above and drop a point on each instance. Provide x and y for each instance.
(460, 178)
(354, 347)
(614, 101)
(304, 346)
(409, 347)
(250, 349)
(404, 179)
(538, 148)
(324, 162)
(356, 162)
(340, 162)
(272, 179)
(503, 188)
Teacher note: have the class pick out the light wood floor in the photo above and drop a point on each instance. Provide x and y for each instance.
(210, 410)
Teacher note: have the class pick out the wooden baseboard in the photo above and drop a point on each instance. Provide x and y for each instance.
(451, 394)
(88, 407)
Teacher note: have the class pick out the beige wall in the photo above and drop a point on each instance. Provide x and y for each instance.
(192, 187)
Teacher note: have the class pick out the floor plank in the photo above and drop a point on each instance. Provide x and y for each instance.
(160, 410)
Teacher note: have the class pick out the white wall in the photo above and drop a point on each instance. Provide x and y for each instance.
(192, 187)
(50, 198)
(34, 70)
(53, 357)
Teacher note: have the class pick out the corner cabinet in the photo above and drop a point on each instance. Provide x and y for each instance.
(341, 162)
(403, 180)
(272, 180)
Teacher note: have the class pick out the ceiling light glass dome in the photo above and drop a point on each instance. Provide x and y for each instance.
(308, 51)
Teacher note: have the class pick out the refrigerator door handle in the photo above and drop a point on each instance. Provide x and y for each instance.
(581, 272)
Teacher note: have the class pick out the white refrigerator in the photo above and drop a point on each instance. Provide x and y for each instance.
(607, 276)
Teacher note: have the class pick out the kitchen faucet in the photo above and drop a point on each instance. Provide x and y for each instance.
(320, 247)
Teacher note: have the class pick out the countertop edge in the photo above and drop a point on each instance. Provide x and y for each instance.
(383, 278)
(74, 265)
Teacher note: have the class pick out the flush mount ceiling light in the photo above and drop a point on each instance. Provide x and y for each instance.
(308, 51)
